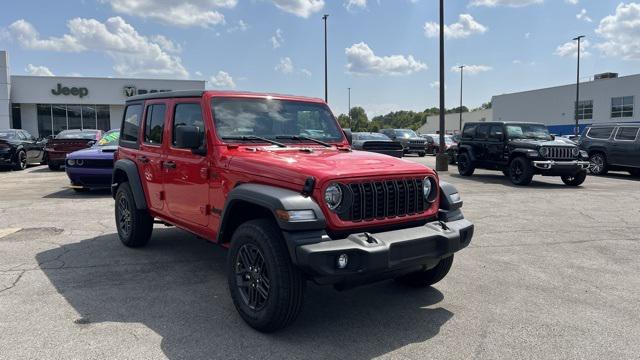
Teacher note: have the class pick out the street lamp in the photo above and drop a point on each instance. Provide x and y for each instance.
(461, 71)
(349, 112)
(326, 90)
(442, 162)
(577, 129)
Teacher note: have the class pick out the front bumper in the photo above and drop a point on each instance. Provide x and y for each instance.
(91, 178)
(552, 167)
(376, 256)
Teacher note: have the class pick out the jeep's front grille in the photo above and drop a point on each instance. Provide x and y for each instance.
(560, 152)
(383, 199)
(416, 142)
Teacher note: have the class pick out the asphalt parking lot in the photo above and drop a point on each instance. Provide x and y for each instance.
(552, 273)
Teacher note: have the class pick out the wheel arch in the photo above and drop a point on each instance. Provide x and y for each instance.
(126, 170)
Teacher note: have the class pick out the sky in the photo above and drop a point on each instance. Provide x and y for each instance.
(386, 51)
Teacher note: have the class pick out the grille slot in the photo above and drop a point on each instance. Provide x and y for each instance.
(384, 199)
(560, 152)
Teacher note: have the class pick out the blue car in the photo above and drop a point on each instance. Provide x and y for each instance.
(91, 168)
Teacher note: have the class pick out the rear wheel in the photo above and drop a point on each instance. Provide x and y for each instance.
(266, 288)
(429, 277)
(520, 171)
(134, 226)
(575, 180)
(465, 165)
(598, 164)
(21, 161)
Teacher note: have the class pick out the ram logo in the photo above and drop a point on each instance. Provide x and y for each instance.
(129, 91)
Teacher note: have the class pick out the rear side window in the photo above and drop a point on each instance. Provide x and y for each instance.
(154, 124)
(131, 123)
(496, 132)
(627, 133)
(187, 115)
(483, 132)
(600, 132)
(469, 131)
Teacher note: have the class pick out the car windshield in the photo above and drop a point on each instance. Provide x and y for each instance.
(110, 138)
(7, 134)
(73, 134)
(241, 119)
(406, 133)
(528, 131)
(370, 136)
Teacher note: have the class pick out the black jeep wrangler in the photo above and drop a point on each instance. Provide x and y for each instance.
(519, 150)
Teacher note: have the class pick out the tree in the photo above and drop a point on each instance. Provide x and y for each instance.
(344, 121)
(359, 119)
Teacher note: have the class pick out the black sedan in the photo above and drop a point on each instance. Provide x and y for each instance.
(19, 148)
(377, 143)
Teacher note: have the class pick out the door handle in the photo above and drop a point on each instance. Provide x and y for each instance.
(169, 165)
(143, 159)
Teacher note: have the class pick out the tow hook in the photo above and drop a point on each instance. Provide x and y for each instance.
(443, 225)
(370, 239)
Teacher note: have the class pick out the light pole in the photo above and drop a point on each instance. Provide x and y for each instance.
(326, 89)
(442, 163)
(577, 129)
(349, 107)
(461, 71)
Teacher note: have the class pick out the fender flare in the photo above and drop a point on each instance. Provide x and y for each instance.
(468, 149)
(133, 177)
(450, 203)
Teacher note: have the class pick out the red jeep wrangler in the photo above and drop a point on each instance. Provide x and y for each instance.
(274, 179)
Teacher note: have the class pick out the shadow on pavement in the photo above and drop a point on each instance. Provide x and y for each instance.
(620, 176)
(500, 179)
(69, 193)
(176, 286)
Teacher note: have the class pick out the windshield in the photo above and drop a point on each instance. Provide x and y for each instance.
(273, 119)
(528, 131)
(7, 134)
(110, 138)
(370, 136)
(84, 134)
(406, 133)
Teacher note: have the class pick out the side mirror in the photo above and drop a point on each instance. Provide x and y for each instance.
(349, 136)
(188, 137)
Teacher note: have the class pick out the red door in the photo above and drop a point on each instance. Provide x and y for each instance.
(150, 155)
(186, 174)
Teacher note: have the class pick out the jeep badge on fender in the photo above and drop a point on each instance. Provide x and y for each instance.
(274, 197)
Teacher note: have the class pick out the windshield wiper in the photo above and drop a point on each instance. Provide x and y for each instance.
(254, 138)
(302, 137)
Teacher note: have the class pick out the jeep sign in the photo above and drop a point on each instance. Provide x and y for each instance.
(130, 91)
(75, 91)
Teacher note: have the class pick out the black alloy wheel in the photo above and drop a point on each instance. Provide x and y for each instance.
(520, 171)
(575, 180)
(252, 278)
(135, 226)
(21, 161)
(465, 167)
(124, 216)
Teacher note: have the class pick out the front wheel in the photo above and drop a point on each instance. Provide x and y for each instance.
(575, 180)
(421, 154)
(465, 166)
(424, 278)
(598, 164)
(134, 226)
(520, 171)
(266, 288)
(21, 161)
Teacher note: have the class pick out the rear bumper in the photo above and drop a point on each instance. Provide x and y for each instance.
(376, 256)
(56, 156)
(553, 167)
(6, 157)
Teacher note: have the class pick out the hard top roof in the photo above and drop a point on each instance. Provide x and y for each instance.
(219, 93)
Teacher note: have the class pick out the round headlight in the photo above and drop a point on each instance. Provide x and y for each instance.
(544, 151)
(71, 162)
(575, 151)
(79, 162)
(333, 196)
(429, 189)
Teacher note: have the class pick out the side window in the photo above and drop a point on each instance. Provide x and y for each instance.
(469, 131)
(627, 133)
(600, 133)
(187, 115)
(496, 132)
(21, 135)
(154, 124)
(483, 132)
(131, 123)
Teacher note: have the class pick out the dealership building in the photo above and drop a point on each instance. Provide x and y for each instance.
(46, 105)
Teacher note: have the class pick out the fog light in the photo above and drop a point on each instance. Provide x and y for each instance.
(343, 260)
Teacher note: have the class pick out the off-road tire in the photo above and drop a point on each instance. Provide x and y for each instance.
(21, 161)
(424, 278)
(134, 226)
(574, 180)
(598, 164)
(465, 165)
(422, 154)
(53, 166)
(285, 293)
(520, 171)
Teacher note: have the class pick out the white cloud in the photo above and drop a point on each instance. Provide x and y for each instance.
(167, 44)
(285, 66)
(179, 13)
(472, 69)
(621, 32)
(241, 26)
(38, 70)
(306, 72)
(222, 80)
(351, 4)
(510, 3)
(277, 39)
(198, 73)
(132, 53)
(572, 2)
(465, 27)
(582, 15)
(570, 48)
(302, 8)
(362, 61)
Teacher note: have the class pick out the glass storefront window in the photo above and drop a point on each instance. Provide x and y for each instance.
(53, 118)
(59, 118)
(89, 116)
(74, 117)
(44, 120)
(104, 121)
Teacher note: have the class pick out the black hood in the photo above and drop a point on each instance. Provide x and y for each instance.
(535, 144)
